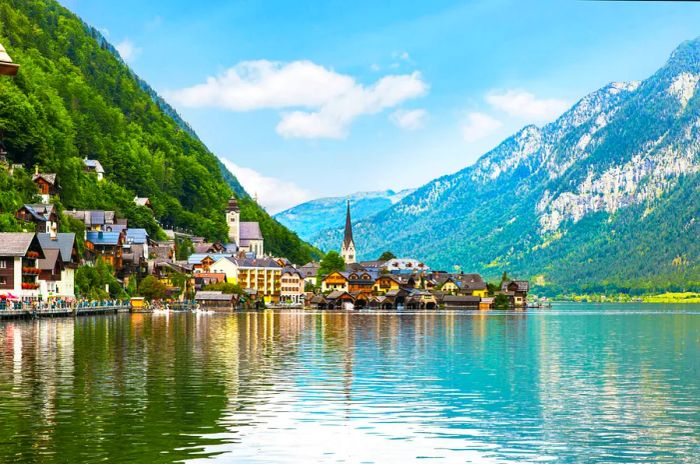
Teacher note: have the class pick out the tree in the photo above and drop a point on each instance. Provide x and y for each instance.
(225, 287)
(331, 262)
(386, 256)
(152, 289)
(501, 301)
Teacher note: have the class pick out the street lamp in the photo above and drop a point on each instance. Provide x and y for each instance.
(7, 67)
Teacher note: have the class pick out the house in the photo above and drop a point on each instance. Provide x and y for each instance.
(60, 284)
(310, 272)
(472, 285)
(19, 270)
(143, 201)
(42, 216)
(517, 292)
(228, 266)
(361, 281)
(7, 67)
(137, 242)
(386, 283)
(335, 281)
(47, 185)
(202, 262)
(405, 266)
(318, 301)
(202, 279)
(106, 245)
(98, 220)
(172, 275)
(292, 286)
(94, 166)
(216, 300)
(262, 275)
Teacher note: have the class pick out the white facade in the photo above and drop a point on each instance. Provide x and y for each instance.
(226, 266)
(64, 288)
(233, 219)
(347, 251)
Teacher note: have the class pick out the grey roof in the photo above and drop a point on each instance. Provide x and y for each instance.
(103, 238)
(457, 300)
(48, 177)
(97, 217)
(291, 270)
(48, 263)
(522, 285)
(336, 294)
(64, 242)
(40, 211)
(213, 296)
(137, 236)
(15, 243)
(254, 262)
(250, 231)
(94, 165)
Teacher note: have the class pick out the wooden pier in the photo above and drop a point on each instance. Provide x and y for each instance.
(61, 312)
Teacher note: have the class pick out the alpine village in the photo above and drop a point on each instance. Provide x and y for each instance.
(104, 265)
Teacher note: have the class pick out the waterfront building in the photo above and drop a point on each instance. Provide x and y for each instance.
(361, 282)
(292, 286)
(19, 271)
(219, 300)
(61, 281)
(95, 167)
(516, 290)
(335, 281)
(347, 249)
(262, 275)
(310, 272)
(228, 266)
(386, 283)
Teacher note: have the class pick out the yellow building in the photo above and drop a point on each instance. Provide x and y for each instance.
(386, 283)
(263, 275)
(334, 281)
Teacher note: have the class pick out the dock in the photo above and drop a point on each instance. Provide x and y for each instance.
(31, 313)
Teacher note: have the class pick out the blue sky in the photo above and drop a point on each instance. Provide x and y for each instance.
(310, 99)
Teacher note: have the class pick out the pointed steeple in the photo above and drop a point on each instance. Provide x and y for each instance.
(347, 240)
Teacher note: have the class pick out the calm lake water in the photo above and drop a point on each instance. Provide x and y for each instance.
(578, 383)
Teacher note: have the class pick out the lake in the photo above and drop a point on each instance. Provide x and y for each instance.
(577, 383)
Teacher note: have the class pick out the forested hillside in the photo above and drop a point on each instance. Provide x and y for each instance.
(604, 199)
(74, 98)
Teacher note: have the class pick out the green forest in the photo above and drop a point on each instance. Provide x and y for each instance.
(73, 98)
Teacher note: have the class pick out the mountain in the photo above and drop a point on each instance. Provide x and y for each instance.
(313, 217)
(604, 199)
(74, 98)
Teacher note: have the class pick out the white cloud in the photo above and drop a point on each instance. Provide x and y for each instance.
(525, 105)
(274, 194)
(478, 126)
(127, 50)
(321, 103)
(409, 120)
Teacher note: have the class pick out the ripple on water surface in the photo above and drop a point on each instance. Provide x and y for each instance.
(575, 384)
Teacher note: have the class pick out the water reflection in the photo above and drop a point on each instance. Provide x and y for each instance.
(591, 385)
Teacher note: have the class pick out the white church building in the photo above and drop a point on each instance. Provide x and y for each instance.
(246, 235)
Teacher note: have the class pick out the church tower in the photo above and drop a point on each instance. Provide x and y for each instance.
(347, 250)
(233, 219)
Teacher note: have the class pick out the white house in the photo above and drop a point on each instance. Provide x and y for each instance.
(19, 271)
(226, 265)
(57, 278)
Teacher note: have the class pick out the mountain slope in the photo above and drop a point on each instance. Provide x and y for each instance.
(602, 199)
(74, 98)
(313, 217)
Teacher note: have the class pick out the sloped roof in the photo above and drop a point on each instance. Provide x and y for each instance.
(337, 294)
(103, 238)
(48, 177)
(97, 217)
(136, 236)
(48, 263)
(255, 262)
(93, 164)
(250, 231)
(142, 201)
(15, 243)
(213, 296)
(522, 285)
(64, 242)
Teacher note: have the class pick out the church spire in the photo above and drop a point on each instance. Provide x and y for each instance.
(347, 250)
(348, 228)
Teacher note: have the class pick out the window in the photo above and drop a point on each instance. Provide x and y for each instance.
(3, 280)
(3, 264)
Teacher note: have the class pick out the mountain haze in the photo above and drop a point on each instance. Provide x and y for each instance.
(605, 198)
(314, 217)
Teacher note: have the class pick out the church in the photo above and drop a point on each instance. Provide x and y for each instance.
(246, 235)
(347, 249)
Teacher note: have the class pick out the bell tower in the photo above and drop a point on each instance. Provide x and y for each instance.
(347, 250)
(233, 219)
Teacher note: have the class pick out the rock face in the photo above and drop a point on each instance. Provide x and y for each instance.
(603, 198)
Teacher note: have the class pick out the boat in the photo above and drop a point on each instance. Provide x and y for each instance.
(139, 305)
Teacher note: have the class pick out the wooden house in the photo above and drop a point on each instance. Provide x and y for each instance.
(43, 217)
(106, 245)
(335, 281)
(47, 185)
(517, 292)
(386, 283)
